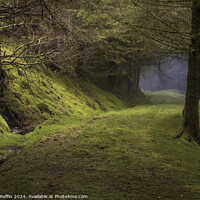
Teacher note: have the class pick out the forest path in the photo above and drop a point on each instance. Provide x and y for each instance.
(129, 154)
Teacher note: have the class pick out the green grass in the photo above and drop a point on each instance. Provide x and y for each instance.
(165, 96)
(127, 154)
(6, 138)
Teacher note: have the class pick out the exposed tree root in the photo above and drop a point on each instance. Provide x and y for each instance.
(188, 134)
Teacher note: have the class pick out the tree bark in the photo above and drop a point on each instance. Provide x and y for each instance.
(1, 75)
(190, 124)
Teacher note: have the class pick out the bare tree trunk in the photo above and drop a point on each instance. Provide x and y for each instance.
(190, 124)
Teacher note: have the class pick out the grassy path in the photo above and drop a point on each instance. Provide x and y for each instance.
(130, 154)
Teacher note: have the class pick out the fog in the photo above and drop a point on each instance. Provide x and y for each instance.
(170, 75)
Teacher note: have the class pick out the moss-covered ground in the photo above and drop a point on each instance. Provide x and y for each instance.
(37, 95)
(118, 155)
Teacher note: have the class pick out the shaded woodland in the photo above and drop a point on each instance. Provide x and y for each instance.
(70, 68)
(106, 41)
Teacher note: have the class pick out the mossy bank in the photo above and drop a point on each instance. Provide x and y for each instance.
(35, 95)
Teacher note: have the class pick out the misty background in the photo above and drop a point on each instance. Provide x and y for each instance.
(169, 75)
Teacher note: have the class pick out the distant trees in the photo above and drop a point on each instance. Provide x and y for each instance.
(120, 47)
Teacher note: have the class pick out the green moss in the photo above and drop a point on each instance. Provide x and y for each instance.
(103, 100)
(37, 95)
(3, 127)
(6, 138)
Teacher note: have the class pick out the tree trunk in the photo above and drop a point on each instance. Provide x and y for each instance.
(190, 124)
(1, 75)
